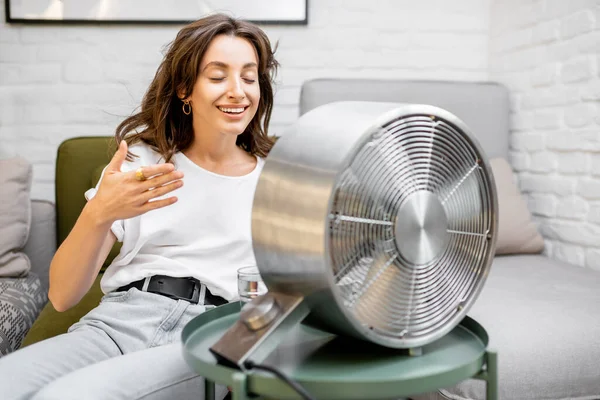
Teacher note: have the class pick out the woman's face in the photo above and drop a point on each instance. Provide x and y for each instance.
(226, 93)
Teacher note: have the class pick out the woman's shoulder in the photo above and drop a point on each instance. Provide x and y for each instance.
(260, 162)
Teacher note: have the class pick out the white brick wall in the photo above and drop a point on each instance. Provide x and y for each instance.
(58, 82)
(546, 52)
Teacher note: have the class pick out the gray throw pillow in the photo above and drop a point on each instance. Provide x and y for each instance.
(15, 216)
(517, 233)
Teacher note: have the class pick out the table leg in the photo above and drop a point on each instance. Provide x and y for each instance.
(239, 390)
(209, 390)
(492, 376)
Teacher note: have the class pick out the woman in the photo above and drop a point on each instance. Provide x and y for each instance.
(204, 122)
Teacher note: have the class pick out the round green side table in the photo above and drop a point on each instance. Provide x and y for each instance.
(338, 368)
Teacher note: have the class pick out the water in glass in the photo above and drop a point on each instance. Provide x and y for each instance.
(250, 284)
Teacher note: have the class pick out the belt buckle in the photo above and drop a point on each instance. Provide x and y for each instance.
(196, 293)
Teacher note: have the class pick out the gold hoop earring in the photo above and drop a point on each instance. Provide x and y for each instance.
(188, 110)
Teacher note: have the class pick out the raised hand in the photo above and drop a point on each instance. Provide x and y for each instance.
(121, 196)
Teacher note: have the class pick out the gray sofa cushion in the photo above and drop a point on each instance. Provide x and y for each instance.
(21, 300)
(517, 233)
(15, 216)
(41, 246)
(543, 318)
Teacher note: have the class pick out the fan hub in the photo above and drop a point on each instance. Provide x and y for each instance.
(421, 228)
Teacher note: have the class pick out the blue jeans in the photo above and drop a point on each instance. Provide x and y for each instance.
(128, 347)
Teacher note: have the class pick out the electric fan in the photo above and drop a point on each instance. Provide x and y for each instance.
(377, 220)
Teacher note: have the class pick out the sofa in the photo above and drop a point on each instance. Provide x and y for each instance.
(26, 316)
(542, 315)
(23, 297)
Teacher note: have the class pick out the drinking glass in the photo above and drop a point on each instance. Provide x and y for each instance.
(250, 284)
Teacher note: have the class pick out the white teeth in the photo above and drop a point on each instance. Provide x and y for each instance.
(232, 110)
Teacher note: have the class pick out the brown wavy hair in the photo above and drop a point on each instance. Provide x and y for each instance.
(161, 122)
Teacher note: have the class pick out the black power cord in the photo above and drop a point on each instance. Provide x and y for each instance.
(291, 383)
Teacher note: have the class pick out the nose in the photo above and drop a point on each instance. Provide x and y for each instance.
(235, 90)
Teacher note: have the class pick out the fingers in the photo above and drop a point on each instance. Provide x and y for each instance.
(118, 158)
(153, 170)
(160, 191)
(153, 205)
(160, 180)
(147, 197)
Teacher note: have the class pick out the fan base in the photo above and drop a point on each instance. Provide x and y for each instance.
(270, 316)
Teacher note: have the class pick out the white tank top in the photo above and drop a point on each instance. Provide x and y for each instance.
(206, 234)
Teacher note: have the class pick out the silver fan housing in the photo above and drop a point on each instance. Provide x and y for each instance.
(382, 215)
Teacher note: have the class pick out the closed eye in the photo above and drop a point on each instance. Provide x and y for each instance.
(221, 79)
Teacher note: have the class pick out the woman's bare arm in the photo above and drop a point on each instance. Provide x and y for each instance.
(79, 259)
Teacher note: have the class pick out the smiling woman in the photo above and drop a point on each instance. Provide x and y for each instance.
(226, 95)
(210, 64)
(205, 118)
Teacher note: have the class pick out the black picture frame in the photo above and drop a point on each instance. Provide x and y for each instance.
(10, 19)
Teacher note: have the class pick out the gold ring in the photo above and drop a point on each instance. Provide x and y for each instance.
(139, 174)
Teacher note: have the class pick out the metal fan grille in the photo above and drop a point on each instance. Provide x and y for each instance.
(399, 277)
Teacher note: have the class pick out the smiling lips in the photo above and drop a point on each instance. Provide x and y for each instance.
(233, 110)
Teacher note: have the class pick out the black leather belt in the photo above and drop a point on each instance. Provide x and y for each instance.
(175, 288)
